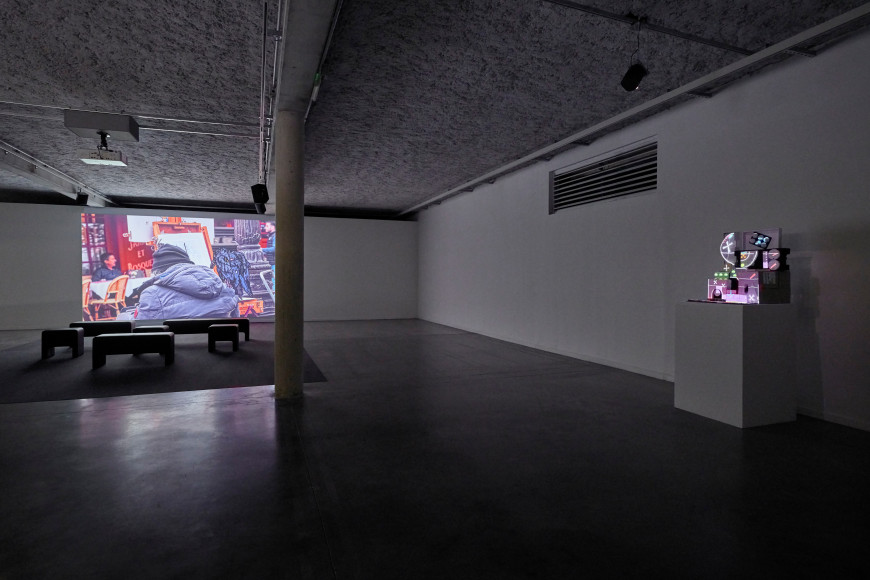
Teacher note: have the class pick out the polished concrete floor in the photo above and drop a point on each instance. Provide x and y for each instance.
(429, 453)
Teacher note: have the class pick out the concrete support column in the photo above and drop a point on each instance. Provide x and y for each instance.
(289, 207)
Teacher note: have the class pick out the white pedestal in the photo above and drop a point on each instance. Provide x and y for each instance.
(735, 363)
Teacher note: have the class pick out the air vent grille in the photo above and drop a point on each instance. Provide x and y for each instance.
(625, 173)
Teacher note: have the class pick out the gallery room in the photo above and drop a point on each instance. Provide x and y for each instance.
(469, 289)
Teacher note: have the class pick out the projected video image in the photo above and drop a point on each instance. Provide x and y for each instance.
(156, 268)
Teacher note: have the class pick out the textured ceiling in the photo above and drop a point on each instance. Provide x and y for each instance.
(416, 98)
(432, 98)
(190, 60)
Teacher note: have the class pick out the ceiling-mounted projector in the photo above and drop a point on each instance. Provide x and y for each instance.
(102, 125)
(103, 157)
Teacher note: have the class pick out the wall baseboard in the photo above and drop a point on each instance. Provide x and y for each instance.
(546, 348)
(834, 418)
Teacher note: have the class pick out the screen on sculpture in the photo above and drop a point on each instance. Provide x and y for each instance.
(138, 267)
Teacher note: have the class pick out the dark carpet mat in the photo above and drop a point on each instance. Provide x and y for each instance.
(25, 378)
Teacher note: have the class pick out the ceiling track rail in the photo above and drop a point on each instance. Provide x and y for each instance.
(187, 206)
(29, 167)
(633, 20)
(704, 85)
(151, 117)
(318, 76)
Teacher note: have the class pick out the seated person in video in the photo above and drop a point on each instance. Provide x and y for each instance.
(181, 289)
(269, 248)
(107, 271)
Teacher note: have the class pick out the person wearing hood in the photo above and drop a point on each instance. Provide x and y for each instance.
(181, 289)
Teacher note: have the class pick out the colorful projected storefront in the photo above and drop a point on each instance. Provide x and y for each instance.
(209, 258)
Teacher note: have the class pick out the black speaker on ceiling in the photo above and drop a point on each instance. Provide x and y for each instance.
(633, 76)
(260, 193)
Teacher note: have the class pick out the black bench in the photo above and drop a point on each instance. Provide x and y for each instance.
(155, 328)
(96, 328)
(71, 337)
(200, 325)
(223, 332)
(131, 343)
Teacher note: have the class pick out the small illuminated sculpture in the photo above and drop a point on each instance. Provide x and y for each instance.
(746, 279)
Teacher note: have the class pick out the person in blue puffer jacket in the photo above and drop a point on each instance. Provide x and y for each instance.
(181, 289)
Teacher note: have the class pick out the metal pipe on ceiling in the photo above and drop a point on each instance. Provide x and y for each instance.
(26, 116)
(261, 161)
(137, 115)
(192, 121)
(187, 131)
(141, 127)
(75, 185)
(277, 39)
(277, 36)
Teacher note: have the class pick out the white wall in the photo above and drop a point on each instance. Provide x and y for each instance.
(360, 269)
(786, 148)
(353, 268)
(40, 266)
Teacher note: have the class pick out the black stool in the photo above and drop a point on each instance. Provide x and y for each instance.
(218, 332)
(71, 337)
